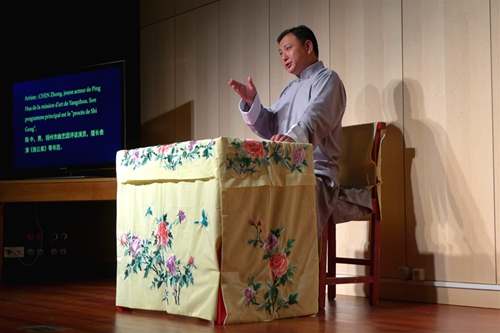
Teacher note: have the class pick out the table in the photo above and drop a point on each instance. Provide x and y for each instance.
(54, 190)
(220, 229)
(58, 190)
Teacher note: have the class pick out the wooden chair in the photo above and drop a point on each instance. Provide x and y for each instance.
(360, 165)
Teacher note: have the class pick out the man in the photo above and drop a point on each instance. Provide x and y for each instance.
(309, 110)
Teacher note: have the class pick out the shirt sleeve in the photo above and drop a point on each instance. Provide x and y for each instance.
(324, 111)
(259, 118)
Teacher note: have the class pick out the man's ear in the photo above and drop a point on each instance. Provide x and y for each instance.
(309, 46)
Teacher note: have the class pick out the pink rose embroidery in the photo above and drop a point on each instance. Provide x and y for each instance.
(280, 271)
(162, 234)
(123, 239)
(278, 265)
(165, 148)
(299, 155)
(254, 148)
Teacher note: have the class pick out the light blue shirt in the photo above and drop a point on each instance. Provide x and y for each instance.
(309, 109)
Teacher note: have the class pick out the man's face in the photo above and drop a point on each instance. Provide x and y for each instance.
(295, 56)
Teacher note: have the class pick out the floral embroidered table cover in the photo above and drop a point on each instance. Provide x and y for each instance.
(179, 204)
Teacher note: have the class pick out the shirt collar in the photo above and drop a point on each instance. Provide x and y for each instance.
(311, 69)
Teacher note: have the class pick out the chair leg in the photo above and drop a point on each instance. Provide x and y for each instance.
(327, 267)
(322, 269)
(375, 259)
(332, 255)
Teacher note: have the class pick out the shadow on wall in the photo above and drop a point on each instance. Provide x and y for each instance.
(443, 220)
(398, 234)
(172, 126)
(398, 214)
(447, 220)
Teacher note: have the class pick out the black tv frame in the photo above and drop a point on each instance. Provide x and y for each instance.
(130, 132)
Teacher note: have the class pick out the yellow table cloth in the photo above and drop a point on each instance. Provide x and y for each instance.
(180, 206)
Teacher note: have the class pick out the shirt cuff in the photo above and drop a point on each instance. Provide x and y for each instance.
(297, 134)
(251, 114)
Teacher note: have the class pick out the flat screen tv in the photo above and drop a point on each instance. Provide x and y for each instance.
(71, 124)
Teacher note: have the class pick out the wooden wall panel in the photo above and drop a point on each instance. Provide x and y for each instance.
(243, 52)
(172, 126)
(157, 69)
(196, 68)
(159, 130)
(365, 48)
(152, 11)
(182, 6)
(495, 70)
(285, 14)
(428, 68)
(447, 119)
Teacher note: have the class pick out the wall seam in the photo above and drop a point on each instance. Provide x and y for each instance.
(495, 174)
(405, 195)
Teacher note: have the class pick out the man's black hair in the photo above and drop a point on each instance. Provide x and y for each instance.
(303, 34)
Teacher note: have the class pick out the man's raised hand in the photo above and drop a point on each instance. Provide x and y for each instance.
(246, 92)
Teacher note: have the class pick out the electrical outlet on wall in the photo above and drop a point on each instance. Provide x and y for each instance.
(13, 252)
(418, 274)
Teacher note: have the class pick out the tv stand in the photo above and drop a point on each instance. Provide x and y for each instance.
(63, 177)
(54, 190)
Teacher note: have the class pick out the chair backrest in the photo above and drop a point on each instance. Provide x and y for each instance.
(360, 157)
